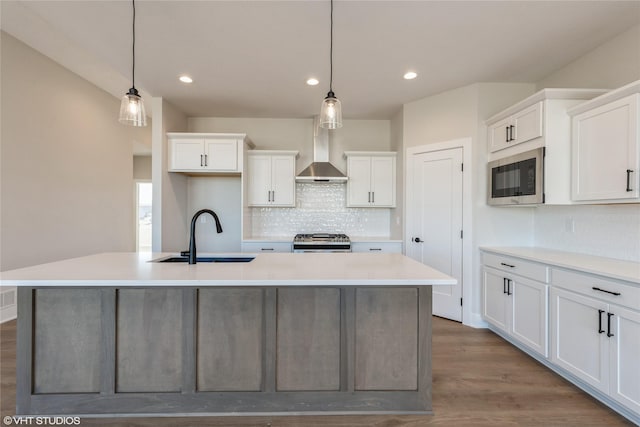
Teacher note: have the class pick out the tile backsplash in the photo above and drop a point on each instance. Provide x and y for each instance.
(604, 230)
(320, 208)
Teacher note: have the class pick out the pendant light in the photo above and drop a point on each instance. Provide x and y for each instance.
(132, 110)
(331, 111)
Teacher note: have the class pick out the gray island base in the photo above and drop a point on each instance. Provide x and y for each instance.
(286, 348)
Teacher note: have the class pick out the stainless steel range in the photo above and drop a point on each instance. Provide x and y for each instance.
(321, 242)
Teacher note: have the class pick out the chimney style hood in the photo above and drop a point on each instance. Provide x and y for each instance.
(320, 170)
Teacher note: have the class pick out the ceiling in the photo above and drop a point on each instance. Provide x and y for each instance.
(252, 58)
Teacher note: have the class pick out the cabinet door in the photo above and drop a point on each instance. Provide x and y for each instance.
(605, 144)
(221, 154)
(625, 357)
(187, 154)
(359, 183)
(259, 184)
(494, 306)
(576, 343)
(529, 314)
(383, 181)
(283, 185)
(499, 135)
(527, 124)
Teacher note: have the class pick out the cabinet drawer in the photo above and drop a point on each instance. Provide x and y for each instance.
(608, 290)
(266, 247)
(531, 270)
(377, 247)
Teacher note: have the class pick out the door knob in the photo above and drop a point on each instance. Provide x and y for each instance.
(418, 240)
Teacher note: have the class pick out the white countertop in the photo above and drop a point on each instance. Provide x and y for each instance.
(273, 269)
(610, 267)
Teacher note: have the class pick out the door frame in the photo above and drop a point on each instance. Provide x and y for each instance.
(467, 241)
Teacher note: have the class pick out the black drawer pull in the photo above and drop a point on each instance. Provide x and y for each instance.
(507, 265)
(266, 249)
(605, 291)
(609, 316)
(600, 330)
(504, 285)
(375, 249)
(629, 179)
(509, 286)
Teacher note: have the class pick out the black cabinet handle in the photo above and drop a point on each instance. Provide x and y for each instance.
(629, 179)
(504, 285)
(375, 249)
(201, 160)
(506, 138)
(509, 287)
(609, 316)
(600, 330)
(507, 265)
(266, 249)
(606, 291)
(511, 128)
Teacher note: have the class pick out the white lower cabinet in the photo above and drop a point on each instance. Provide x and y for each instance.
(592, 322)
(517, 306)
(599, 343)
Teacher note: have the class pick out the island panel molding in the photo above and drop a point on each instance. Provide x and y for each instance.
(312, 334)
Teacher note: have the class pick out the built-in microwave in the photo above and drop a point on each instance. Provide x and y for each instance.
(517, 179)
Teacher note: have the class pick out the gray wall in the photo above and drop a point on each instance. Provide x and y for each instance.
(142, 168)
(66, 163)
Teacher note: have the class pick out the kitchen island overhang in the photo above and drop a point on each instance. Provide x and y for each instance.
(285, 334)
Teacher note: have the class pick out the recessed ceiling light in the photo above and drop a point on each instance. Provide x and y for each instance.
(186, 79)
(410, 75)
(312, 81)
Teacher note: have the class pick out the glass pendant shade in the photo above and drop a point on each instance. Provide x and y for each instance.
(132, 110)
(331, 112)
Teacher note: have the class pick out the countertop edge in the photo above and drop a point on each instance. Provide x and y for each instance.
(618, 269)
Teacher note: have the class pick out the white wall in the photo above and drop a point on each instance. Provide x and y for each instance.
(142, 168)
(611, 65)
(397, 137)
(169, 217)
(66, 163)
(604, 230)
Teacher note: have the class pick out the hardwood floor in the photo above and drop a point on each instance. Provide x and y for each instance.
(478, 380)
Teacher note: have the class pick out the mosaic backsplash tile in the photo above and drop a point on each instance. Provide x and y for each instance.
(320, 208)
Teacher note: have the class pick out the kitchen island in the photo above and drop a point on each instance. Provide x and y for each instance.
(116, 334)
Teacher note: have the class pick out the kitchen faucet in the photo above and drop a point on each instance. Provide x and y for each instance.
(192, 236)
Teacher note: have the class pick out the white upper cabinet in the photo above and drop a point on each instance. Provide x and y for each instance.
(522, 126)
(606, 148)
(203, 153)
(372, 179)
(540, 120)
(271, 178)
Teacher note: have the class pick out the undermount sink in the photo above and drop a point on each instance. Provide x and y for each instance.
(206, 259)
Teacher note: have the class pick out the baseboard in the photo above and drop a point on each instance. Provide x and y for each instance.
(8, 304)
(474, 320)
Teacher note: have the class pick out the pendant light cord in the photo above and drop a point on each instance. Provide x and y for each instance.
(133, 68)
(331, 52)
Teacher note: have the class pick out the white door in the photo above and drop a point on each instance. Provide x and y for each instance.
(436, 205)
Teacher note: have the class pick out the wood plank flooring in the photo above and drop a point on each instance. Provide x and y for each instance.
(478, 380)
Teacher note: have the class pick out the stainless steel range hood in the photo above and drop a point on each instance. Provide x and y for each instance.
(320, 170)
